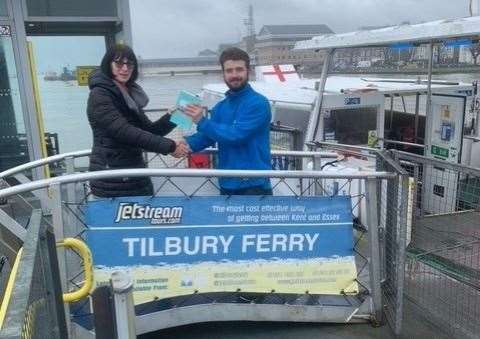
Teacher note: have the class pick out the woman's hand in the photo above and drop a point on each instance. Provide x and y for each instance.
(171, 110)
(181, 150)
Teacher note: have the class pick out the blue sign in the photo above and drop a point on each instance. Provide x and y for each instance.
(177, 245)
(466, 92)
(179, 230)
(352, 101)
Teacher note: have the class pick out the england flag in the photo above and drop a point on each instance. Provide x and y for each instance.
(276, 73)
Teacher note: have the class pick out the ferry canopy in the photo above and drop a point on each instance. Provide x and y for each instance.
(303, 92)
(459, 31)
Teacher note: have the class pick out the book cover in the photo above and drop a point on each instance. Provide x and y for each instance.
(179, 118)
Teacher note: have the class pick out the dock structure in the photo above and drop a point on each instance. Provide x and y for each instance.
(175, 66)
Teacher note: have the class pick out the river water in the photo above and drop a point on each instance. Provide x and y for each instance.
(64, 103)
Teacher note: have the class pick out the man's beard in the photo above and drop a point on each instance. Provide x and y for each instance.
(238, 87)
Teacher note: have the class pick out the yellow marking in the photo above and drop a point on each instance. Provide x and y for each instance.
(9, 288)
(38, 107)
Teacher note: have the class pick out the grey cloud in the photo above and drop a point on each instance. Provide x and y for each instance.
(164, 28)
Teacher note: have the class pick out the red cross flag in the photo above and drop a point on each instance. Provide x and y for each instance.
(276, 73)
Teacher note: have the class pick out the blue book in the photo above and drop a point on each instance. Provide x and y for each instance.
(179, 118)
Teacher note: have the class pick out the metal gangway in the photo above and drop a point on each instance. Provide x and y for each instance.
(42, 212)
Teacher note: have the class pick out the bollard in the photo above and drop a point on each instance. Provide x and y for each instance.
(122, 286)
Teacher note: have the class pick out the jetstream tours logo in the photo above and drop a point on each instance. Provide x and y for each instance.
(156, 215)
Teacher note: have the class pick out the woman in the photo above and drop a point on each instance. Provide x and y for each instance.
(121, 130)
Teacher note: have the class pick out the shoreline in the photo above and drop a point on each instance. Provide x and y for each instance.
(419, 71)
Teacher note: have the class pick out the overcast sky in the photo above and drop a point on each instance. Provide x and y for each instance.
(177, 28)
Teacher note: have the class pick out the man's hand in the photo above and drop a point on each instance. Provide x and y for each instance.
(195, 112)
(181, 150)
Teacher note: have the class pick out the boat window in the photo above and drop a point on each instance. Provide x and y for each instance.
(350, 126)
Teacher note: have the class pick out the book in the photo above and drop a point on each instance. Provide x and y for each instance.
(178, 117)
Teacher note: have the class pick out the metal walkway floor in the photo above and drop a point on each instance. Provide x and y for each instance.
(415, 327)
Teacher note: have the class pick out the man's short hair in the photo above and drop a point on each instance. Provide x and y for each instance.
(234, 53)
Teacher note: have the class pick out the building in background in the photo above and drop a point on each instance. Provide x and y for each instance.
(207, 53)
(274, 45)
(172, 66)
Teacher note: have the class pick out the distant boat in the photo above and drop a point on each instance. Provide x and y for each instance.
(50, 76)
(66, 75)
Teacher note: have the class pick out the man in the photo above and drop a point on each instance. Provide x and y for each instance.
(240, 125)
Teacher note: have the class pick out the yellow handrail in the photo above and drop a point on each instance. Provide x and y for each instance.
(86, 255)
(9, 288)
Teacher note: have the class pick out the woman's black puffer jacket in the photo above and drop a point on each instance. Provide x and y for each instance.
(120, 134)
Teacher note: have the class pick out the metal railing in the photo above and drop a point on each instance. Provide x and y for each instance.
(71, 156)
(390, 204)
(69, 193)
(403, 143)
(43, 162)
(443, 253)
(392, 213)
(32, 306)
(429, 205)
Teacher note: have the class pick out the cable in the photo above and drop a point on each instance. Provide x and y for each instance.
(329, 163)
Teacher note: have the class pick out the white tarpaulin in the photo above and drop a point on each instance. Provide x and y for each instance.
(302, 92)
(425, 32)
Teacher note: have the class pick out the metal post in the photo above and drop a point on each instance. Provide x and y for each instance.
(416, 178)
(317, 166)
(70, 163)
(124, 13)
(428, 112)
(25, 83)
(55, 303)
(122, 285)
(428, 125)
(57, 220)
(103, 312)
(73, 262)
(403, 103)
(315, 116)
(391, 111)
(373, 244)
(417, 104)
(58, 230)
(70, 229)
(273, 108)
(401, 235)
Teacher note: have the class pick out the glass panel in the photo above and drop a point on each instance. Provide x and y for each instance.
(13, 141)
(63, 101)
(89, 8)
(3, 8)
(339, 127)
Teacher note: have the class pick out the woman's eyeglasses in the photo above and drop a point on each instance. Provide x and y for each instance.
(120, 64)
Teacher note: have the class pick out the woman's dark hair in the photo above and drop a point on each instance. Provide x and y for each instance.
(119, 52)
(234, 53)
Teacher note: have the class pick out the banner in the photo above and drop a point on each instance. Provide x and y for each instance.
(178, 245)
